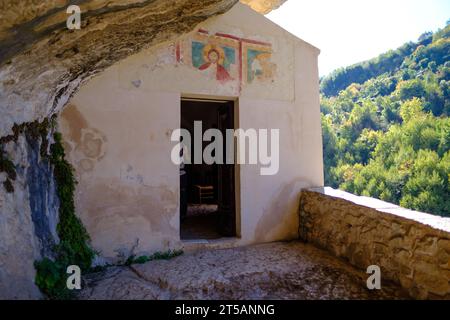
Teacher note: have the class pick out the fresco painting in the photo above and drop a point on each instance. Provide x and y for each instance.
(259, 66)
(214, 59)
(224, 57)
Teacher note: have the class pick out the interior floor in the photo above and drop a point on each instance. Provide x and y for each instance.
(199, 221)
(205, 189)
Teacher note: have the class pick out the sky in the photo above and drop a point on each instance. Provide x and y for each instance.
(350, 31)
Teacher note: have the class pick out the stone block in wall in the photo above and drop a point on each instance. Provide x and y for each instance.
(411, 248)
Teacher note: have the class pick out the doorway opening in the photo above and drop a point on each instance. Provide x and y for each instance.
(207, 191)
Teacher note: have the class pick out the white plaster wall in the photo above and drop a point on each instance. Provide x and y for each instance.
(117, 132)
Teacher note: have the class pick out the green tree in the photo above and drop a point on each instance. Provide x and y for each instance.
(387, 131)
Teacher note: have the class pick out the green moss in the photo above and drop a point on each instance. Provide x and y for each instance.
(73, 248)
(73, 235)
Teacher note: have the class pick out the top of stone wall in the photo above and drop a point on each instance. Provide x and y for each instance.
(433, 221)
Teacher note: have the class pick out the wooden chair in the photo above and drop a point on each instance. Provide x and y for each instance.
(205, 192)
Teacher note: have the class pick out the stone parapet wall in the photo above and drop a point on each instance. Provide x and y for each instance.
(411, 248)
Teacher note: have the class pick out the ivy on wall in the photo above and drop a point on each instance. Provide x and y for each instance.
(73, 248)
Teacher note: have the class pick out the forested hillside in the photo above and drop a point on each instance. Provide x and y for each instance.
(386, 129)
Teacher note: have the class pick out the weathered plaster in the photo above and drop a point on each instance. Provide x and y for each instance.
(42, 64)
(41, 69)
(132, 190)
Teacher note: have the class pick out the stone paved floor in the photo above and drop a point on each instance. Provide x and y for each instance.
(282, 270)
(200, 222)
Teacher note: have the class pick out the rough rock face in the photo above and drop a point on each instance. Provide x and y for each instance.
(284, 270)
(28, 217)
(42, 64)
(415, 255)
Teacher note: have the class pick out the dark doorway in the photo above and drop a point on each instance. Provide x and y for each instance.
(207, 191)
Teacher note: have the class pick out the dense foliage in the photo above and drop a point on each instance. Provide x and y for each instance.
(386, 131)
(73, 248)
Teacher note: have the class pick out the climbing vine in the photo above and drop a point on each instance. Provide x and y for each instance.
(73, 236)
(73, 248)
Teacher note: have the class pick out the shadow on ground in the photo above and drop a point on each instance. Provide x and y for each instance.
(282, 270)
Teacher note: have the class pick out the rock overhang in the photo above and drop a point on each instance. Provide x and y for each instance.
(42, 63)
